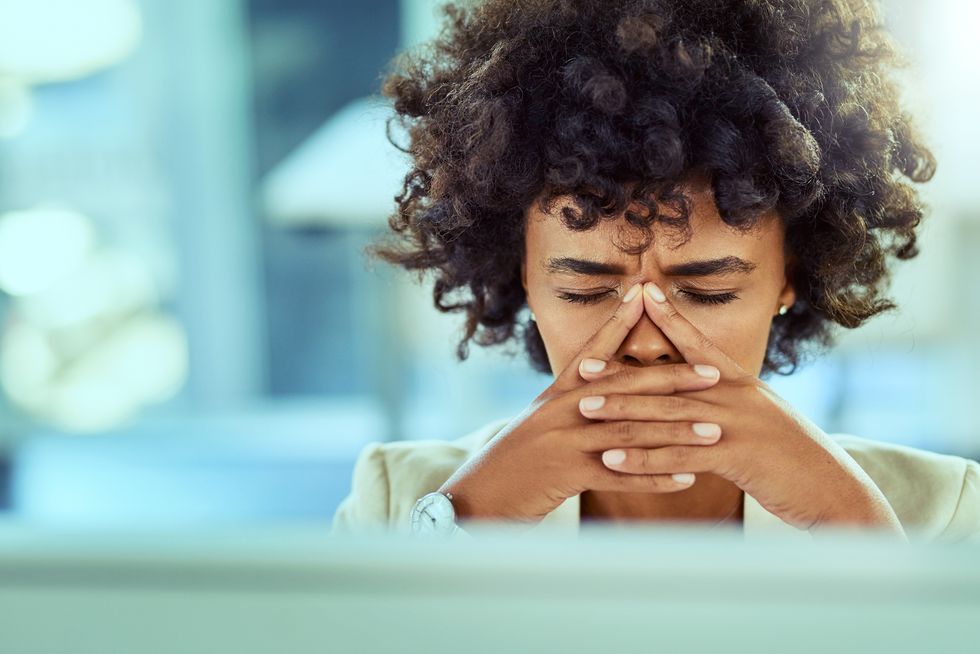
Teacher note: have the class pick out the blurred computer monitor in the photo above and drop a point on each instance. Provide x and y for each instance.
(294, 589)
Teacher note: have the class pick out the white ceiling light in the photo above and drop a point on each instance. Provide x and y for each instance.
(57, 40)
(41, 246)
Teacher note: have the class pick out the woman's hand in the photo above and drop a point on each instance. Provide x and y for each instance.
(550, 452)
(778, 456)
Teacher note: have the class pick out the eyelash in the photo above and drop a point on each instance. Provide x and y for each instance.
(700, 298)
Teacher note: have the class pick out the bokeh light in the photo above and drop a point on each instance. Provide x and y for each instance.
(57, 40)
(41, 246)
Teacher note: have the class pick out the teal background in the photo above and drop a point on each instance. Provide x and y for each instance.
(196, 337)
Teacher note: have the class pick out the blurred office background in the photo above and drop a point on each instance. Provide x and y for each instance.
(189, 331)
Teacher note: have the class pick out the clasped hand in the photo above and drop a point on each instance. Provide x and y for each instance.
(753, 437)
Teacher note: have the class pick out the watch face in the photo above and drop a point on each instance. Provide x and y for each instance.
(433, 513)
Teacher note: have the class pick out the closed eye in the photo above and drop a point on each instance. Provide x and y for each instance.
(700, 298)
(584, 298)
(715, 298)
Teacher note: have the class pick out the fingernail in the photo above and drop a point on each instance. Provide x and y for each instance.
(706, 429)
(592, 402)
(592, 365)
(630, 294)
(684, 477)
(706, 371)
(654, 292)
(613, 457)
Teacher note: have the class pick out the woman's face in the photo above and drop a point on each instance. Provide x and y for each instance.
(731, 304)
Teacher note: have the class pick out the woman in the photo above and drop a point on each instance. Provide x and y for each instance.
(688, 196)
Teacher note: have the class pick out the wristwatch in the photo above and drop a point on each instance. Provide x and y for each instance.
(434, 515)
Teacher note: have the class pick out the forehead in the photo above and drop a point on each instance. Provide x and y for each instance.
(710, 236)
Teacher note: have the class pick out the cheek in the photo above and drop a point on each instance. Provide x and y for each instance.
(742, 332)
(565, 328)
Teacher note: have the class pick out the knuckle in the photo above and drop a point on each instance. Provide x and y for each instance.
(683, 432)
(673, 405)
(679, 455)
(704, 342)
(614, 404)
(671, 313)
(626, 376)
(625, 432)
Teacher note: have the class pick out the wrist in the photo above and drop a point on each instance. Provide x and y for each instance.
(461, 506)
(874, 513)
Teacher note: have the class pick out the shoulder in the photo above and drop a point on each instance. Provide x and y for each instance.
(389, 476)
(937, 496)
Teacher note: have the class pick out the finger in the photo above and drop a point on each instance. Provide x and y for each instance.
(602, 436)
(607, 340)
(607, 398)
(699, 382)
(604, 479)
(647, 408)
(690, 341)
(665, 378)
(661, 460)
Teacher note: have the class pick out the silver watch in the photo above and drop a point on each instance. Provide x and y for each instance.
(433, 514)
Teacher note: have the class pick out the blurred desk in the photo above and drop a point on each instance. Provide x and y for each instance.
(657, 590)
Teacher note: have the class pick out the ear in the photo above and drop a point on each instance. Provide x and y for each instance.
(524, 275)
(787, 296)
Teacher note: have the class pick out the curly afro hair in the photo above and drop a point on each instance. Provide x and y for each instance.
(785, 105)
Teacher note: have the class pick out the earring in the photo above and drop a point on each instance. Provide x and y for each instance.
(783, 309)
(533, 317)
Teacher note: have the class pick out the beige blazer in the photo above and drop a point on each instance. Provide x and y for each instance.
(936, 496)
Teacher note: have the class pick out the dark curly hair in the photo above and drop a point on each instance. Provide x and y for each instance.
(786, 105)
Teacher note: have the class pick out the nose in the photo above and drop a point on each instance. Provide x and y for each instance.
(646, 345)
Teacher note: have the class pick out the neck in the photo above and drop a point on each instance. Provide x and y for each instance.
(712, 499)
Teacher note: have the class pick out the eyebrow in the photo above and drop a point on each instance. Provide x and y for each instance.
(698, 268)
